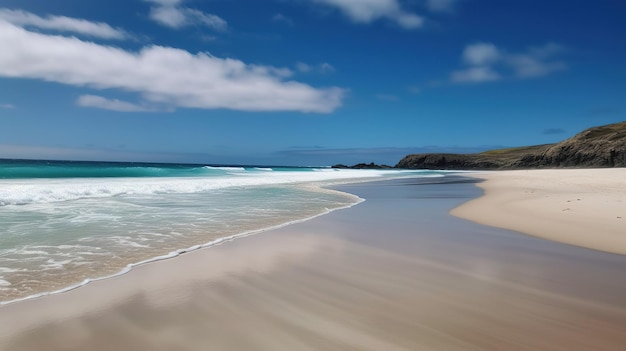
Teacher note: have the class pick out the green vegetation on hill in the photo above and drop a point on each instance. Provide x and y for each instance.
(603, 146)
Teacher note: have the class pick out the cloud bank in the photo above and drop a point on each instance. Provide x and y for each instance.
(486, 63)
(62, 24)
(367, 11)
(163, 76)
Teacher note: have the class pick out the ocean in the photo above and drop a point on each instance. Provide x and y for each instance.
(64, 224)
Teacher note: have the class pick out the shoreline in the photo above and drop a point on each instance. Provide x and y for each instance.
(178, 252)
(316, 186)
(397, 272)
(488, 209)
(581, 207)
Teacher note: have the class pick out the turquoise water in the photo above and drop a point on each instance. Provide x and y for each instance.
(62, 223)
(28, 169)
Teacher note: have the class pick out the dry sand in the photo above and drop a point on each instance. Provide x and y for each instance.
(584, 207)
(396, 272)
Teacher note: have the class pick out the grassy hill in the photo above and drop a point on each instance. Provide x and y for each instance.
(603, 146)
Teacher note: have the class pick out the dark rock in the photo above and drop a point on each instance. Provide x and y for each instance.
(371, 165)
(603, 146)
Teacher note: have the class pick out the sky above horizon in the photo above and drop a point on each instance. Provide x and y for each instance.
(303, 82)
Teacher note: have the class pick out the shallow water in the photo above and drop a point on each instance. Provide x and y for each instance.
(92, 220)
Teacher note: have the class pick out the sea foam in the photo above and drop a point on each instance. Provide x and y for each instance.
(170, 255)
(32, 191)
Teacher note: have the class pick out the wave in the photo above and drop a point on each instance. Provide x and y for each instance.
(173, 254)
(236, 169)
(29, 172)
(31, 191)
(18, 169)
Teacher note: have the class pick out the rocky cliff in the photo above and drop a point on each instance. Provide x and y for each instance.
(603, 146)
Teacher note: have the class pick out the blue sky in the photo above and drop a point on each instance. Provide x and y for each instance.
(303, 82)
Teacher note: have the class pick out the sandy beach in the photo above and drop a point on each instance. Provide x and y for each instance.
(584, 207)
(396, 272)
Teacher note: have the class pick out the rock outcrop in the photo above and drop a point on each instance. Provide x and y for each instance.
(603, 146)
(362, 166)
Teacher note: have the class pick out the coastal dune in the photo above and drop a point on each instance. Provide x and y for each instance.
(395, 272)
(583, 207)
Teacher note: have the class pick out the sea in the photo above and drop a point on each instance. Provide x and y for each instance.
(64, 224)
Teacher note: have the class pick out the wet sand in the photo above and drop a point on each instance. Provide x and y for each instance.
(584, 207)
(396, 272)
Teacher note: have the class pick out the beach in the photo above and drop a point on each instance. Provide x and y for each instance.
(395, 272)
(584, 207)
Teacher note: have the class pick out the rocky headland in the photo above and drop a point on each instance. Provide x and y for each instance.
(597, 147)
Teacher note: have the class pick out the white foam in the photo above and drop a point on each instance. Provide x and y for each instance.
(126, 241)
(32, 191)
(241, 169)
(27, 251)
(55, 265)
(177, 253)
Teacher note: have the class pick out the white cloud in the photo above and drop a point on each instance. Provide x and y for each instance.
(367, 11)
(481, 54)
(163, 76)
(537, 61)
(475, 75)
(62, 24)
(441, 5)
(7, 106)
(527, 66)
(487, 63)
(408, 20)
(171, 14)
(110, 104)
(209, 20)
